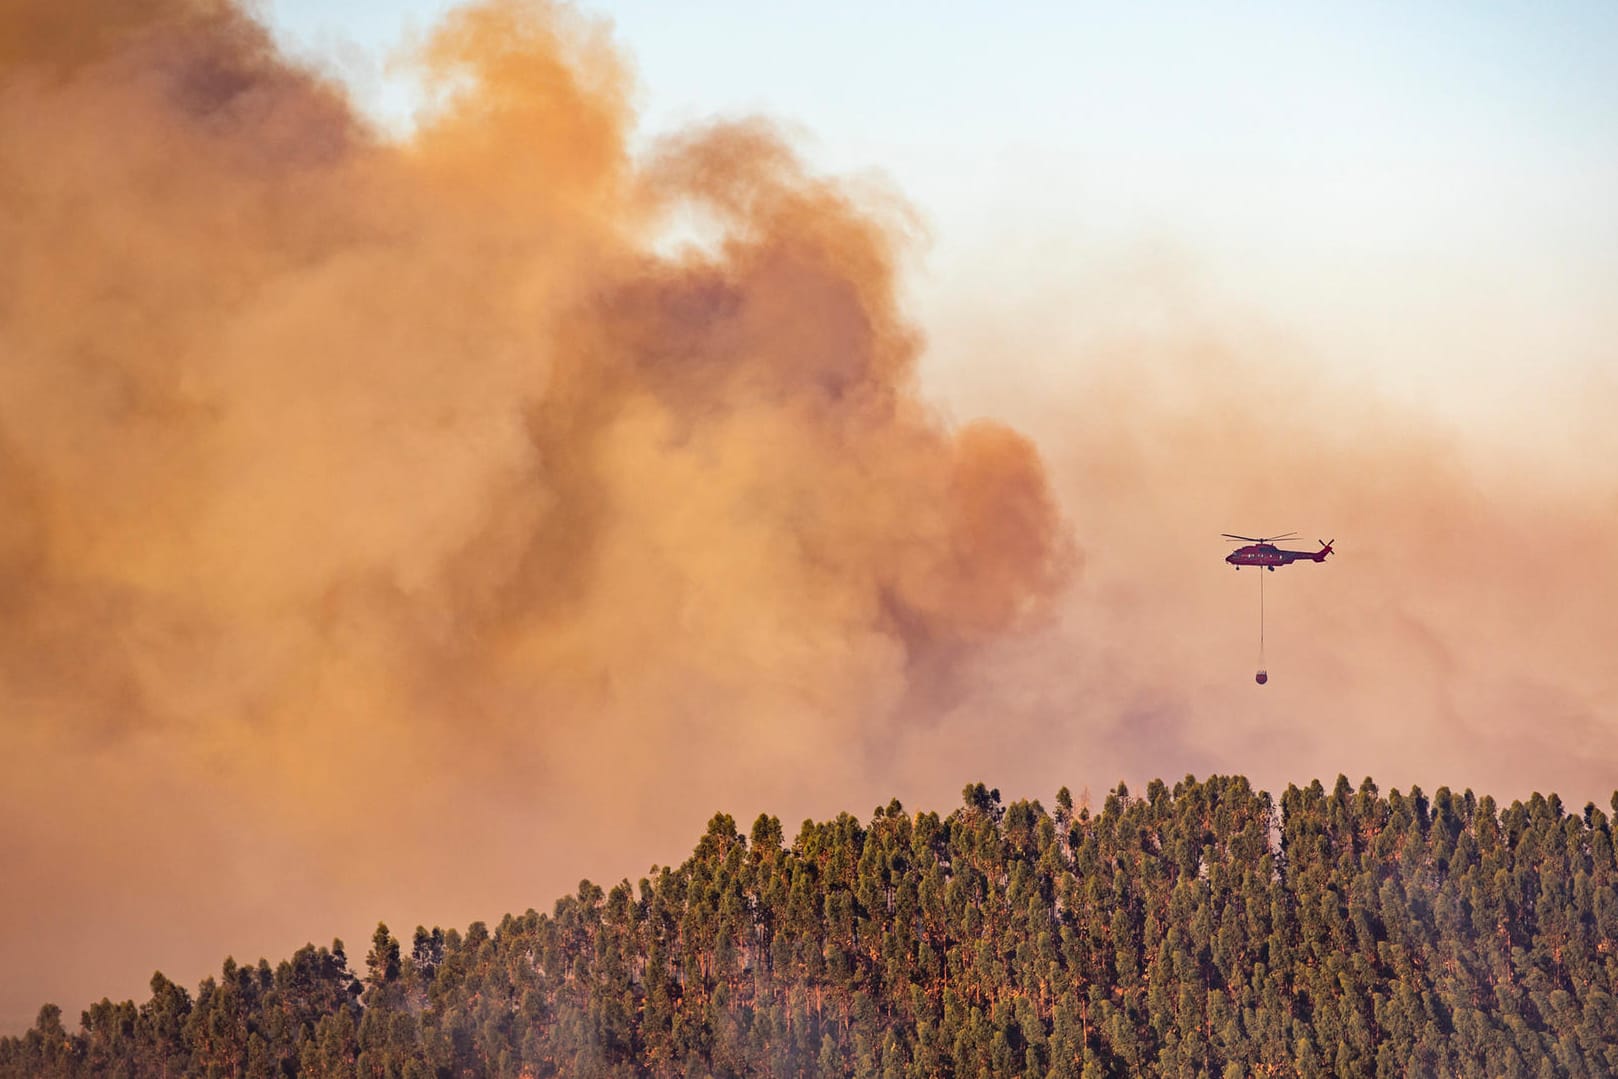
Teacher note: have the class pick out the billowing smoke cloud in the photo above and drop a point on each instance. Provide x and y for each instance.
(406, 529)
(398, 528)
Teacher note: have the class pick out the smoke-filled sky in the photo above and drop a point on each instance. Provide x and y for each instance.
(427, 484)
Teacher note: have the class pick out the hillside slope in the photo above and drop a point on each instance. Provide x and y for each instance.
(1200, 930)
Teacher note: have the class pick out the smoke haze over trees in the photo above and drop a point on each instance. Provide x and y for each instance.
(1203, 930)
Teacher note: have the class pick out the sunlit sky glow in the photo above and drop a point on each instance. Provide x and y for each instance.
(1421, 197)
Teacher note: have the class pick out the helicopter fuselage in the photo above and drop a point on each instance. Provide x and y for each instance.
(1268, 555)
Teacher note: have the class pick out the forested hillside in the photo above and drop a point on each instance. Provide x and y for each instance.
(1200, 930)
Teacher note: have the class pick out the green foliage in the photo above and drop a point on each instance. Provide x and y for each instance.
(1202, 930)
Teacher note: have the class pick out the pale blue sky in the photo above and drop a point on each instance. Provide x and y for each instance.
(1429, 190)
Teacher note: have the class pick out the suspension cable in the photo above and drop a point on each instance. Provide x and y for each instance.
(1261, 573)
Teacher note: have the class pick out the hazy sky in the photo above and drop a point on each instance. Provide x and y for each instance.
(408, 525)
(1424, 194)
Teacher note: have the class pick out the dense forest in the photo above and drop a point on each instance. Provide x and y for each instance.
(1199, 930)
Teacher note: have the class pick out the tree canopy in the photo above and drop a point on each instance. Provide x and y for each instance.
(1202, 929)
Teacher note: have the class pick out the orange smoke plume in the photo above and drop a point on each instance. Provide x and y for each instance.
(398, 526)
(403, 528)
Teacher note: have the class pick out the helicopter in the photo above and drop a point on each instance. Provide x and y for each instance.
(1262, 551)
